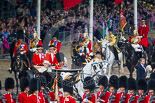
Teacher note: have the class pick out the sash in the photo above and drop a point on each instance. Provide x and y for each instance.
(55, 44)
(20, 47)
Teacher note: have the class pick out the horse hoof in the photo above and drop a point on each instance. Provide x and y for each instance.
(10, 71)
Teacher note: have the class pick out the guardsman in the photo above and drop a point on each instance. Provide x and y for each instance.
(103, 94)
(52, 93)
(39, 57)
(20, 48)
(142, 91)
(122, 91)
(61, 63)
(89, 86)
(9, 86)
(23, 97)
(34, 42)
(87, 42)
(112, 44)
(56, 43)
(132, 87)
(113, 86)
(34, 96)
(151, 91)
(51, 56)
(68, 91)
(143, 31)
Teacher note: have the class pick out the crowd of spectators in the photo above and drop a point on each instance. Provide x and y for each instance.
(72, 21)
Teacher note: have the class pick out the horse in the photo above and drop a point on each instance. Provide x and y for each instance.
(110, 57)
(91, 69)
(19, 68)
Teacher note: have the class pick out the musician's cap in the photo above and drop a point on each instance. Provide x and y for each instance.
(151, 84)
(103, 80)
(24, 83)
(68, 86)
(34, 85)
(110, 29)
(51, 47)
(131, 84)
(122, 82)
(98, 52)
(152, 76)
(113, 82)
(60, 57)
(89, 83)
(20, 34)
(40, 45)
(143, 19)
(142, 85)
(0, 85)
(9, 83)
(59, 81)
(42, 80)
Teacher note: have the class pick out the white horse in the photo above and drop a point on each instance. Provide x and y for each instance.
(91, 69)
(110, 57)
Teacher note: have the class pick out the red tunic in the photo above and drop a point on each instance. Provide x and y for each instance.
(116, 97)
(105, 97)
(143, 31)
(41, 94)
(57, 45)
(37, 60)
(92, 99)
(36, 99)
(128, 96)
(53, 61)
(147, 98)
(52, 96)
(8, 98)
(69, 99)
(23, 97)
(143, 101)
(20, 47)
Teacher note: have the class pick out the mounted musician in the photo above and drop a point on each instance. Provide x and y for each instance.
(56, 43)
(97, 58)
(112, 44)
(143, 31)
(20, 48)
(39, 56)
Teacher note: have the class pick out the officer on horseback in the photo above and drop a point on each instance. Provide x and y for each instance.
(20, 48)
(112, 44)
(56, 43)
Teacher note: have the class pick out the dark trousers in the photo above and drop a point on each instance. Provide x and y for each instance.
(113, 49)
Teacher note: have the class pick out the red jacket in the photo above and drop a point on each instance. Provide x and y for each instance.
(49, 58)
(33, 99)
(23, 97)
(105, 97)
(37, 60)
(8, 98)
(52, 96)
(147, 98)
(128, 96)
(143, 31)
(20, 47)
(69, 99)
(57, 45)
(92, 99)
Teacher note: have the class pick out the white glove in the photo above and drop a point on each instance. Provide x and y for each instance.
(85, 100)
(80, 54)
(21, 53)
(91, 54)
(108, 44)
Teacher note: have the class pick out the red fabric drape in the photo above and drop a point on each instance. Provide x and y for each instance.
(118, 1)
(122, 21)
(70, 3)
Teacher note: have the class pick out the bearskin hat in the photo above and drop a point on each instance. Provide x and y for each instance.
(131, 84)
(68, 86)
(89, 83)
(152, 76)
(151, 84)
(122, 82)
(103, 80)
(60, 57)
(20, 34)
(0, 85)
(9, 83)
(59, 81)
(142, 85)
(34, 85)
(43, 80)
(24, 83)
(113, 82)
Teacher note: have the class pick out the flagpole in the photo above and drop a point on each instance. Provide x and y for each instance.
(38, 17)
(135, 14)
(91, 22)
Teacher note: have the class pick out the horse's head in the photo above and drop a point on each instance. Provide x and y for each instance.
(18, 63)
(104, 45)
